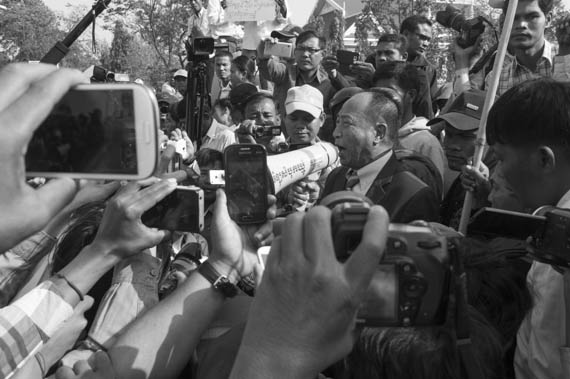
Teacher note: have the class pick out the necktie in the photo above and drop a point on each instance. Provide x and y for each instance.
(351, 179)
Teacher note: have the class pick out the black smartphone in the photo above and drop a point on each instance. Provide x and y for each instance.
(345, 58)
(492, 222)
(182, 210)
(246, 182)
(98, 131)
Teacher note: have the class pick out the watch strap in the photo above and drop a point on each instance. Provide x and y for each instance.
(220, 282)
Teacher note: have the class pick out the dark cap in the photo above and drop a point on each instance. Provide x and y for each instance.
(343, 95)
(465, 111)
(288, 32)
(241, 93)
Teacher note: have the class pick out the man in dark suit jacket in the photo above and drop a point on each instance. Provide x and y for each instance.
(366, 129)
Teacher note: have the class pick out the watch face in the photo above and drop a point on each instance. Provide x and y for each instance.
(227, 288)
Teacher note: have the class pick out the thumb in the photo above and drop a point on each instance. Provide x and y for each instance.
(83, 306)
(221, 215)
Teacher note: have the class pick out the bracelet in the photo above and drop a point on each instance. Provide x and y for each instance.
(73, 287)
(41, 362)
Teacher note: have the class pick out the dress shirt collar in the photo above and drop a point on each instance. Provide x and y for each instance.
(547, 56)
(368, 173)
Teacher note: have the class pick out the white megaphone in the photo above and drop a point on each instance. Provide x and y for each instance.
(288, 168)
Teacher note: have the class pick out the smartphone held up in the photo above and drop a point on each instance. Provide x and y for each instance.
(98, 131)
(246, 177)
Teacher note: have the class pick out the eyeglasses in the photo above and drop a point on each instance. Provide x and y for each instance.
(305, 49)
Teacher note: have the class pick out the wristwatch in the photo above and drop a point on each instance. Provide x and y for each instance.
(219, 282)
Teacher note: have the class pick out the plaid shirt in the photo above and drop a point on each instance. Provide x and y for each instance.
(28, 323)
(18, 263)
(514, 73)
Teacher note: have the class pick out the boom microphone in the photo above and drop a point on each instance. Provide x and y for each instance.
(293, 166)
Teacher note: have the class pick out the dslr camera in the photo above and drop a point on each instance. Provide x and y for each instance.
(469, 30)
(411, 285)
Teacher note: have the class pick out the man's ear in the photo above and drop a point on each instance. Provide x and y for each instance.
(546, 159)
(548, 17)
(381, 130)
(405, 56)
(322, 117)
(413, 94)
(278, 119)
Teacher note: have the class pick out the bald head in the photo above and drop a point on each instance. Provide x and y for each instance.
(377, 108)
(366, 127)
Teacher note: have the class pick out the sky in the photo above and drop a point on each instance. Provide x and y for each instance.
(300, 9)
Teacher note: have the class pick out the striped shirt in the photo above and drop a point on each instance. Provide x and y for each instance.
(28, 323)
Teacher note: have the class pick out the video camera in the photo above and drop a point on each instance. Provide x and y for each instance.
(469, 30)
(411, 285)
(547, 231)
(102, 75)
(199, 48)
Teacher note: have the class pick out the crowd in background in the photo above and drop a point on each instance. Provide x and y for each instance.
(87, 290)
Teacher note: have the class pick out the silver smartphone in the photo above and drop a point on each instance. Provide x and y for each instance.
(98, 131)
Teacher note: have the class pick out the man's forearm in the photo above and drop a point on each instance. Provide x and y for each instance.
(84, 271)
(160, 342)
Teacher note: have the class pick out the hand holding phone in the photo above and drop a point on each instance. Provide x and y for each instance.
(98, 131)
(39, 87)
(121, 227)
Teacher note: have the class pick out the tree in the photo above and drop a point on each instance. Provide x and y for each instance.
(29, 28)
(120, 47)
(161, 23)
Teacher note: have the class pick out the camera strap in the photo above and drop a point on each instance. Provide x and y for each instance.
(458, 318)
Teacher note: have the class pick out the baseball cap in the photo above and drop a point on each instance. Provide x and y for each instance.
(240, 93)
(181, 72)
(304, 98)
(343, 95)
(465, 111)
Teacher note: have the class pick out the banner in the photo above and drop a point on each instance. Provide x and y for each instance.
(250, 10)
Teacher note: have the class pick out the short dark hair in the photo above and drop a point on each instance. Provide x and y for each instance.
(544, 5)
(423, 352)
(246, 66)
(223, 53)
(405, 74)
(387, 103)
(308, 34)
(532, 113)
(224, 103)
(411, 23)
(398, 39)
(257, 97)
(206, 156)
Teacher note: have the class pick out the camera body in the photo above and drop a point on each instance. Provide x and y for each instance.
(261, 131)
(551, 242)
(411, 285)
(469, 30)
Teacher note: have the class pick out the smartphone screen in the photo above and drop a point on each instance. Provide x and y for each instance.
(381, 299)
(182, 210)
(246, 182)
(93, 129)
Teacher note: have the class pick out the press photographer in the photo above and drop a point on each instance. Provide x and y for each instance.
(529, 55)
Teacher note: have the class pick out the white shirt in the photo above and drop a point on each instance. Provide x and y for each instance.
(542, 334)
(219, 137)
(368, 173)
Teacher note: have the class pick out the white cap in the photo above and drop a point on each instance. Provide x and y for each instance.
(304, 98)
(181, 72)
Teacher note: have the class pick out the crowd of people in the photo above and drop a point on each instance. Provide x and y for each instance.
(88, 291)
